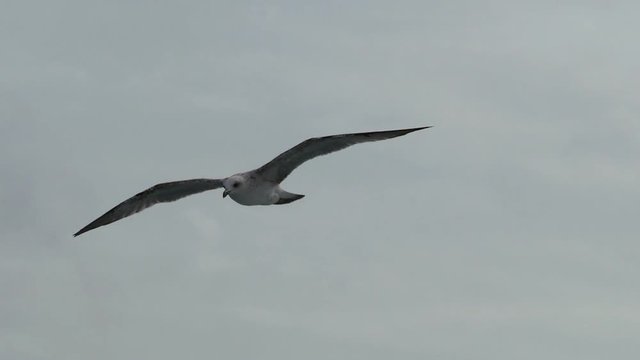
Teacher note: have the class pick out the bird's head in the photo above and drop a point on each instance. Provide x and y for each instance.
(232, 184)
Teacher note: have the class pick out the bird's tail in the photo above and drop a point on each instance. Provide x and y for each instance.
(287, 197)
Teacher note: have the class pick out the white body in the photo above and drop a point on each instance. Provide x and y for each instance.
(249, 191)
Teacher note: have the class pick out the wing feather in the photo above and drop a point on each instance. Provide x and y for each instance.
(280, 167)
(165, 192)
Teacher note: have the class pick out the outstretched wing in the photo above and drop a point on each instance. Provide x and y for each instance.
(165, 192)
(279, 168)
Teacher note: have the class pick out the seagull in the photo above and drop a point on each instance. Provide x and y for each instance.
(260, 186)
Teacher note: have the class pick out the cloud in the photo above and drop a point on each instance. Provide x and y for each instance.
(507, 230)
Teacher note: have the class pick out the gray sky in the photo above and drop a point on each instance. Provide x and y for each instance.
(508, 231)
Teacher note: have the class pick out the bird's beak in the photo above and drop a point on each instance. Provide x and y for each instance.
(225, 193)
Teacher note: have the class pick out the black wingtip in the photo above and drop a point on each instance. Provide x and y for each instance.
(407, 131)
(84, 230)
(410, 130)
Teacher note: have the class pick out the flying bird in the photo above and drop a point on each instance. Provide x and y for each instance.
(256, 187)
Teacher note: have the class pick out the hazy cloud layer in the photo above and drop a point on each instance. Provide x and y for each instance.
(509, 230)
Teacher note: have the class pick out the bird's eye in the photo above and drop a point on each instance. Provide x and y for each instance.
(235, 185)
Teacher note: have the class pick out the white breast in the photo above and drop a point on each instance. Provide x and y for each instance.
(255, 195)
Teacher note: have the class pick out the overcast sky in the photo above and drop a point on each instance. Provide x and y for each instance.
(508, 231)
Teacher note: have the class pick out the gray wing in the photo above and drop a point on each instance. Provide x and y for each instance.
(279, 168)
(165, 192)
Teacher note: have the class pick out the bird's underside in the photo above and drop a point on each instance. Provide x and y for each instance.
(256, 187)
